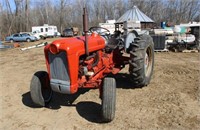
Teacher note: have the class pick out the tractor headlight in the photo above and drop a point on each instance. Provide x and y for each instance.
(53, 49)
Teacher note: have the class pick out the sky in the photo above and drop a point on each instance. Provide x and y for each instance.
(12, 3)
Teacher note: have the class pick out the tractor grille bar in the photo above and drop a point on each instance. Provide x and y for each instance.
(60, 81)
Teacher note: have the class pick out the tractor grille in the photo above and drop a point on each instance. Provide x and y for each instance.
(58, 66)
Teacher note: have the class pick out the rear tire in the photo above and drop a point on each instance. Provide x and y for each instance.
(108, 99)
(42, 37)
(28, 39)
(11, 40)
(40, 89)
(141, 61)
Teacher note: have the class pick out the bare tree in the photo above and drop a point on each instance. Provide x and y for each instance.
(1, 16)
(9, 17)
(68, 13)
(46, 10)
(27, 14)
(62, 6)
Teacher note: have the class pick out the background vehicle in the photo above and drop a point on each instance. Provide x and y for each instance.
(70, 32)
(31, 34)
(20, 38)
(39, 34)
(46, 30)
(76, 31)
(57, 34)
(90, 61)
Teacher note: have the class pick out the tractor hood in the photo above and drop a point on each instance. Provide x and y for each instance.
(76, 45)
(62, 60)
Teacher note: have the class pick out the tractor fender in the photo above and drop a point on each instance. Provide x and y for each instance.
(129, 38)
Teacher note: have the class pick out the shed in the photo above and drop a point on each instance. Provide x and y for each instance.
(135, 14)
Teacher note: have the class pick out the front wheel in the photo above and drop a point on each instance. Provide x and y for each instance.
(40, 89)
(108, 99)
(141, 61)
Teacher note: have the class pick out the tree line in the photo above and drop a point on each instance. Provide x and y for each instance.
(21, 15)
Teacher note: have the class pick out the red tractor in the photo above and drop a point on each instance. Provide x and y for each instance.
(86, 62)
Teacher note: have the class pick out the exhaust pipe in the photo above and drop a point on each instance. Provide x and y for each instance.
(85, 28)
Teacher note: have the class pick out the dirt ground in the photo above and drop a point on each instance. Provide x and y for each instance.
(170, 101)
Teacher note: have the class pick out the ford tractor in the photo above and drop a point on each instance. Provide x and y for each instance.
(91, 61)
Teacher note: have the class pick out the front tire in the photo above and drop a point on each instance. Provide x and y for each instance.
(108, 99)
(141, 61)
(40, 89)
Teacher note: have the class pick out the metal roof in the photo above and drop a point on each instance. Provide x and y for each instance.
(136, 15)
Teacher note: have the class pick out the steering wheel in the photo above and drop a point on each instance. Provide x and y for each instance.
(99, 30)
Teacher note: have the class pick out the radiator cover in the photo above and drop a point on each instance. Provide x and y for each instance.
(59, 74)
